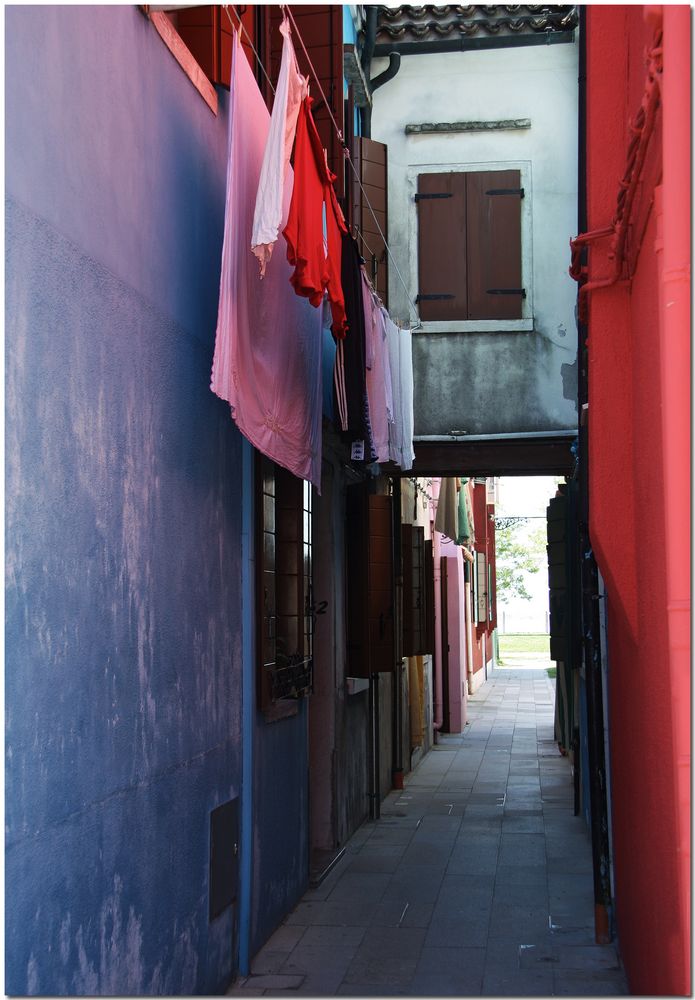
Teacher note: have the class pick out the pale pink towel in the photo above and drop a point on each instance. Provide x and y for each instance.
(267, 361)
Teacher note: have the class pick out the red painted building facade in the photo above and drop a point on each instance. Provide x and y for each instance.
(635, 273)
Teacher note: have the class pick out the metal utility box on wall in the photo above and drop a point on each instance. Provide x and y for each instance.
(224, 856)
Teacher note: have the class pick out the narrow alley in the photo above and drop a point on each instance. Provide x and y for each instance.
(348, 500)
(476, 880)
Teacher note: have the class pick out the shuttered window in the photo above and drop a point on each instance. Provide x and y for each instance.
(418, 591)
(284, 584)
(369, 582)
(207, 33)
(481, 588)
(372, 167)
(469, 245)
(412, 546)
(429, 597)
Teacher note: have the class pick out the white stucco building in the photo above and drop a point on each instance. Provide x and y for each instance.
(482, 164)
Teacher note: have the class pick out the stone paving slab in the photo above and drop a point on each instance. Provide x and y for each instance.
(476, 881)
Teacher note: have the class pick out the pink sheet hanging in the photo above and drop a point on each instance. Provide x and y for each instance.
(267, 362)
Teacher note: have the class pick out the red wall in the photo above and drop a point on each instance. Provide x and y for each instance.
(629, 517)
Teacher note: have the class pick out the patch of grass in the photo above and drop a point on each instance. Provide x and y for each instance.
(523, 642)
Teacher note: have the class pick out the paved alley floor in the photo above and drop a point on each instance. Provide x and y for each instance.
(475, 881)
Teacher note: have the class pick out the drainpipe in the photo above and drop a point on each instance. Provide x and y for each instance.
(247, 703)
(468, 615)
(397, 689)
(371, 15)
(673, 253)
(437, 560)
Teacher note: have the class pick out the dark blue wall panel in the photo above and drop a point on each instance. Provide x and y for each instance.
(123, 635)
(281, 821)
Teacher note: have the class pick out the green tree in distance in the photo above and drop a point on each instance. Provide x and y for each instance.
(516, 556)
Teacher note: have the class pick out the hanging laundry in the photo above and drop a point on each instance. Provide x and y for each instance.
(359, 427)
(400, 344)
(469, 507)
(267, 361)
(464, 529)
(377, 363)
(290, 92)
(447, 520)
(317, 261)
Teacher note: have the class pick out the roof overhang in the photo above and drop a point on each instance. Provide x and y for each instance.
(516, 455)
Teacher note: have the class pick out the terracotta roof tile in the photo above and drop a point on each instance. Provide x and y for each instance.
(432, 21)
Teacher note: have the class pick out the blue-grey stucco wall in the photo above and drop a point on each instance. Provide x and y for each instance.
(123, 513)
(280, 821)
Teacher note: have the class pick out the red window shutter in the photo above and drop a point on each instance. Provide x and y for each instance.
(197, 28)
(494, 244)
(442, 262)
(321, 30)
(207, 33)
(371, 162)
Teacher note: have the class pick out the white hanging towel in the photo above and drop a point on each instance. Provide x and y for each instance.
(269, 218)
(400, 344)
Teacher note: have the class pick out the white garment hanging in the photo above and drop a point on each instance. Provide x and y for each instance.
(268, 215)
(400, 343)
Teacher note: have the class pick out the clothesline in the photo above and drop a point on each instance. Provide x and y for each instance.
(225, 7)
(346, 152)
(268, 358)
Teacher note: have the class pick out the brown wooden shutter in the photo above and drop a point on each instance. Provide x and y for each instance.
(369, 552)
(414, 600)
(408, 646)
(321, 29)
(429, 597)
(371, 161)
(494, 244)
(442, 263)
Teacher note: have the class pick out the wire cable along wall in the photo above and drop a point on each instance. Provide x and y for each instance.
(346, 152)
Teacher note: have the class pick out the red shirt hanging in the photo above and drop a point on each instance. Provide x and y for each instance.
(316, 261)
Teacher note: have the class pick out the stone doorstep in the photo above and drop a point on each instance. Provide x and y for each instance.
(269, 982)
